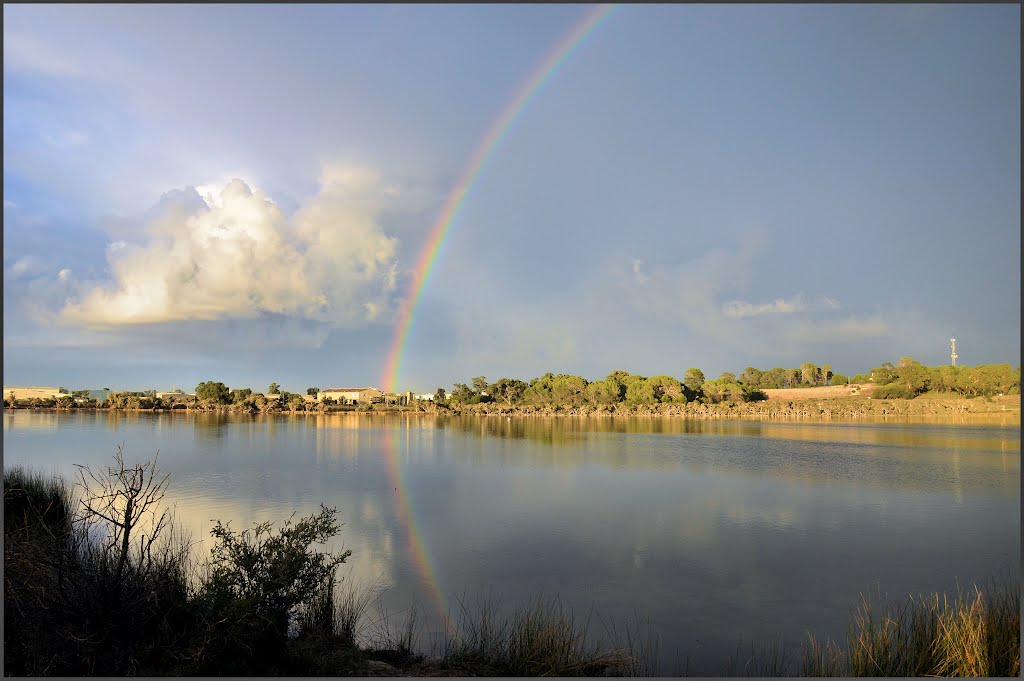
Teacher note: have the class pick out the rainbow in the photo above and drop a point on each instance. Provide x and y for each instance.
(417, 546)
(439, 232)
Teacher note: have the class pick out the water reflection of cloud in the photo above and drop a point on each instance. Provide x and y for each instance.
(371, 543)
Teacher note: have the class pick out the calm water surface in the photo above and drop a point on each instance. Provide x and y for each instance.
(709, 533)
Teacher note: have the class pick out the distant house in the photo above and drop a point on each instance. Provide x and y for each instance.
(272, 396)
(429, 397)
(27, 393)
(174, 393)
(350, 395)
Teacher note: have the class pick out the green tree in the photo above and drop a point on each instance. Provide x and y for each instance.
(693, 380)
(539, 391)
(774, 378)
(440, 396)
(462, 393)
(840, 379)
(240, 395)
(213, 392)
(751, 377)
(913, 377)
(479, 385)
(508, 390)
(946, 378)
(666, 389)
(791, 377)
(313, 392)
(995, 378)
(826, 374)
(722, 390)
(607, 391)
(568, 390)
(809, 373)
(640, 392)
(274, 389)
(616, 382)
(884, 374)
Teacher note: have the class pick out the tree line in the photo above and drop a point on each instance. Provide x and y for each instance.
(215, 393)
(908, 378)
(619, 387)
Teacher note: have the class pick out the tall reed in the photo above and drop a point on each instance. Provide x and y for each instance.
(972, 634)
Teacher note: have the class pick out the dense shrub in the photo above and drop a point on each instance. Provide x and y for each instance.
(258, 584)
(100, 585)
(754, 395)
(893, 391)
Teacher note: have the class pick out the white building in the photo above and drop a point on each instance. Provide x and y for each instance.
(347, 395)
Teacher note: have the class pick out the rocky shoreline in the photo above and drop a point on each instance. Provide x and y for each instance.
(832, 409)
(952, 409)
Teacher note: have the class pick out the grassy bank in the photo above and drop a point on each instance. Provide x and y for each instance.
(97, 583)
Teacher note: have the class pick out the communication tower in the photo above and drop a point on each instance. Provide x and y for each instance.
(952, 350)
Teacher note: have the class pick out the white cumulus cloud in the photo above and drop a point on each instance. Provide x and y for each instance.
(239, 256)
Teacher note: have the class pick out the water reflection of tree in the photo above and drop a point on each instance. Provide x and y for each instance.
(892, 457)
(210, 426)
(801, 451)
(566, 430)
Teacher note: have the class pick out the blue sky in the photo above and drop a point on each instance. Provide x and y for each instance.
(241, 193)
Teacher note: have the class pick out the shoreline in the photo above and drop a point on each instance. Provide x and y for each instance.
(826, 410)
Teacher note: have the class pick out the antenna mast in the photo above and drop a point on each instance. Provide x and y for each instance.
(952, 350)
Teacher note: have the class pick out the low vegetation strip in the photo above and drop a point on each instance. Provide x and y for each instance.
(98, 583)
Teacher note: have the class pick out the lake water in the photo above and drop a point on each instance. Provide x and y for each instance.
(712, 534)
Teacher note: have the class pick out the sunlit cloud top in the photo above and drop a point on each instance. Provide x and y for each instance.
(240, 256)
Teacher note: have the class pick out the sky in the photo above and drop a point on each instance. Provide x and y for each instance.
(244, 193)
